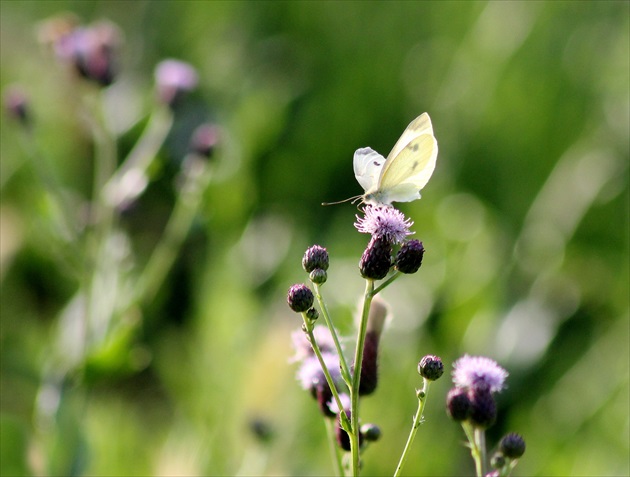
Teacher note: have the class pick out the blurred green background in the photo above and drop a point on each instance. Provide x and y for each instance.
(525, 223)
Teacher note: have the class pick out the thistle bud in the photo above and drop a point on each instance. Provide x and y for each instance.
(497, 461)
(324, 396)
(512, 445)
(300, 298)
(376, 259)
(312, 313)
(370, 432)
(17, 105)
(431, 367)
(483, 407)
(315, 257)
(343, 439)
(369, 365)
(409, 257)
(318, 276)
(458, 404)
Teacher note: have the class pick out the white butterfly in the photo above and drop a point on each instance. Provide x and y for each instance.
(407, 169)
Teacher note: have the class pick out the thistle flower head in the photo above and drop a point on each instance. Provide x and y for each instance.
(385, 222)
(172, 78)
(92, 50)
(204, 140)
(474, 371)
(303, 348)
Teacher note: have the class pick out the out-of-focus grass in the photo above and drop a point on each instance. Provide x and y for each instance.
(525, 223)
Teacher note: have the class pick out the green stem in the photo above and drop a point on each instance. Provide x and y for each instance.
(387, 282)
(417, 420)
(131, 178)
(101, 218)
(334, 448)
(308, 327)
(356, 378)
(176, 230)
(345, 370)
(477, 442)
(480, 441)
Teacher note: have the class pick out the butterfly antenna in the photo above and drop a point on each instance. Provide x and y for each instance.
(350, 199)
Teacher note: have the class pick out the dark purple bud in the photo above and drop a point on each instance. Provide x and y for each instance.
(431, 367)
(315, 257)
(512, 445)
(483, 407)
(300, 298)
(458, 404)
(376, 259)
(409, 257)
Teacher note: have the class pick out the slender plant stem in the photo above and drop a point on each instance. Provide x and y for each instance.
(308, 327)
(480, 442)
(387, 282)
(417, 420)
(356, 378)
(477, 443)
(334, 449)
(345, 370)
(176, 230)
(131, 178)
(102, 219)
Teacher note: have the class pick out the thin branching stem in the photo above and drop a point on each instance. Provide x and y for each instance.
(417, 420)
(345, 370)
(356, 378)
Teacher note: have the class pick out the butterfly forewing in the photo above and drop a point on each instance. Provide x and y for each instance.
(414, 164)
(420, 125)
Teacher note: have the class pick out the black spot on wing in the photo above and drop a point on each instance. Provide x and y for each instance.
(414, 165)
(377, 164)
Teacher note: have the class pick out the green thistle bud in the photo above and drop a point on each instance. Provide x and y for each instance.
(300, 298)
(312, 314)
(318, 276)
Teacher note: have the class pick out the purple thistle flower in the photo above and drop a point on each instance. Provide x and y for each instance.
(172, 78)
(385, 222)
(471, 371)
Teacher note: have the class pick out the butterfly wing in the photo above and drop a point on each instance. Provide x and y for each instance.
(420, 125)
(410, 164)
(367, 164)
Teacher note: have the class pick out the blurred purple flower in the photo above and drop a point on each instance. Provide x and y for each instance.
(472, 371)
(172, 78)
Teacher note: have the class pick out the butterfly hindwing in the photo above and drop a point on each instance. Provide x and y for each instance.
(368, 165)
